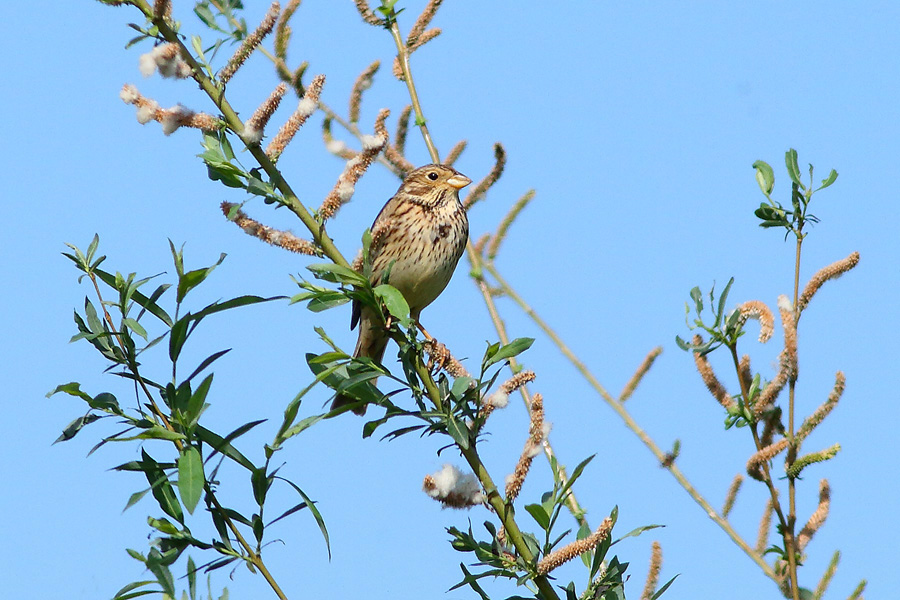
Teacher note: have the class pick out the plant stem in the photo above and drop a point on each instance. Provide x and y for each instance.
(403, 57)
(475, 260)
(623, 413)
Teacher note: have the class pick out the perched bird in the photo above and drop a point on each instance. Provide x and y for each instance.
(423, 231)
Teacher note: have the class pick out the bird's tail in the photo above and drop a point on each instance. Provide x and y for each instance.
(371, 343)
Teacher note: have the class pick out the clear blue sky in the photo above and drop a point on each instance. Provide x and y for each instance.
(636, 124)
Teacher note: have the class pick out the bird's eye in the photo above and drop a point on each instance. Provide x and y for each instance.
(432, 176)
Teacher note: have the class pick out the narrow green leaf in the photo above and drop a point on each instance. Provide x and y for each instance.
(315, 512)
(514, 348)
(793, 168)
(190, 477)
(723, 297)
(208, 361)
(135, 327)
(135, 498)
(832, 177)
(223, 445)
(191, 279)
(665, 586)
(161, 487)
(337, 274)
(576, 473)
(637, 531)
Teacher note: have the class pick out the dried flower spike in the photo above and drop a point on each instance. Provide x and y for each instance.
(832, 271)
(455, 152)
(250, 43)
(765, 526)
(402, 129)
(653, 572)
(818, 517)
(827, 576)
(439, 356)
(754, 309)
(500, 398)
(507, 221)
(162, 9)
(368, 16)
(490, 179)
(731, 496)
(577, 548)
(306, 107)
(754, 464)
(256, 124)
(453, 488)
(708, 376)
(362, 83)
(537, 433)
(422, 22)
(283, 30)
(642, 370)
(354, 169)
(276, 237)
(813, 420)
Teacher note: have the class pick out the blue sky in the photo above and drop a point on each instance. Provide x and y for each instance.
(636, 123)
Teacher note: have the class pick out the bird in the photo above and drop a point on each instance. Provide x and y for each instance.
(421, 234)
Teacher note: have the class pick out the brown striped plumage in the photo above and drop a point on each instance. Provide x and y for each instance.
(423, 230)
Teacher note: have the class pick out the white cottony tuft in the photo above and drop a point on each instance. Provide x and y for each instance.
(371, 142)
(252, 135)
(498, 399)
(451, 481)
(306, 107)
(147, 64)
(129, 94)
(146, 112)
(335, 146)
(784, 303)
(174, 117)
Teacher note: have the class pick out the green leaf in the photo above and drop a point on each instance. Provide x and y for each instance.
(637, 531)
(192, 279)
(216, 307)
(539, 515)
(161, 487)
(337, 274)
(135, 327)
(198, 401)
(206, 362)
(575, 475)
(190, 477)
(315, 512)
(323, 301)
(223, 445)
(72, 429)
(665, 586)
(393, 300)
(514, 348)
(793, 168)
(832, 177)
(147, 303)
(135, 498)
(723, 297)
(459, 432)
(460, 386)
(765, 177)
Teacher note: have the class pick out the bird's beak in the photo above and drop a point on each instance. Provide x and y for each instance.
(458, 181)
